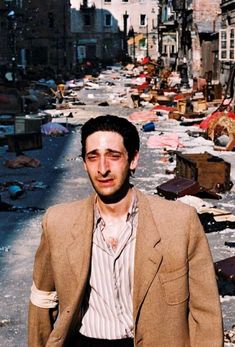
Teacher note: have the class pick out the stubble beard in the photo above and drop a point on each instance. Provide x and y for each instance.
(115, 196)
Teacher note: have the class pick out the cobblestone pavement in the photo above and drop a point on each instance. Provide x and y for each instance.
(62, 172)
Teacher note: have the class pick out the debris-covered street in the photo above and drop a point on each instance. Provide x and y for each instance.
(177, 142)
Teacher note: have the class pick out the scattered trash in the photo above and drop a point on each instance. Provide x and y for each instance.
(36, 185)
(226, 268)
(70, 115)
(15, 191)
(149, 127)
(22, 161)
(16, 188)
(196, 202)
(143, 116)
(78, 103)
(104, 103)
(53, 129)
(169, 141)
(5, 248)
(229, 335)
(6, 207)
(178, 187)
(210, 224)
(24, 142)
(229, 244)
(4, 322)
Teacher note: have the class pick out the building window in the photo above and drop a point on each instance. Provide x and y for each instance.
(107, 1)
(87, 19)
(108, 20)
(227, 44)
(143, 20)
(125, 0)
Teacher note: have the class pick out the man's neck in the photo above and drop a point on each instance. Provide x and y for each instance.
(118, 209)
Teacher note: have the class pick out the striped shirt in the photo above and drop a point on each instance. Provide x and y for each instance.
(108, 308)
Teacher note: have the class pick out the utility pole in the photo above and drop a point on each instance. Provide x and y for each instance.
(131, 34)
(65, 34)
(12, 26)
(125, 17)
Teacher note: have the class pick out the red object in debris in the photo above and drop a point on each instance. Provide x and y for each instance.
(181, 96)
(143, 86)
(205, 123)
(145, 60)
(163, 108)
(145, 75)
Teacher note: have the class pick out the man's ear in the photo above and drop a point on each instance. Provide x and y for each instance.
(135, 160)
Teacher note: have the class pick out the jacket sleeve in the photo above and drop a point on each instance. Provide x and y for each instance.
(43, 305)
(205, 318)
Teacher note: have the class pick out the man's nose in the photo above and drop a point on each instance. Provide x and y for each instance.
(103, 166)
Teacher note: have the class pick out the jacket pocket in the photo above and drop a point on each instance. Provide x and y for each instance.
(175, 285)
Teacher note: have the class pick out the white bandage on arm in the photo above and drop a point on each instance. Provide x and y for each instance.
(43, 299)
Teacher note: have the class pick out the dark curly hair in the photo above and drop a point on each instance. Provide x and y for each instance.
(115, 124)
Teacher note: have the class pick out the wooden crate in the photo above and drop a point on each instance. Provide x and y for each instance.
(199, 105)
(175, 115)
(211, 172)
(181, 106)
(32, 124)
(24, 142)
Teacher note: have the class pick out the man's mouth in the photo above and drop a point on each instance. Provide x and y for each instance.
(105, 181)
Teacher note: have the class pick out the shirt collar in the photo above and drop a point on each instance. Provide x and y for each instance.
(133, 209)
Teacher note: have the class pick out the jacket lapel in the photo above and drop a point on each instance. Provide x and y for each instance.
(148, 255)
(79, 251)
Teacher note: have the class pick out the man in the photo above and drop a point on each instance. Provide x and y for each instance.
(122, 268)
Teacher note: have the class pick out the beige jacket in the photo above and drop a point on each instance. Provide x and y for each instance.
(175, 300)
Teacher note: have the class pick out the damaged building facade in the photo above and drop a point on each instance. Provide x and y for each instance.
(112, 29)
(35, 33)
(227, 38)
(189, 30)
(61, 34)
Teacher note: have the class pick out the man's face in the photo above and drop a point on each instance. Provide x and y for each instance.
(106, 162)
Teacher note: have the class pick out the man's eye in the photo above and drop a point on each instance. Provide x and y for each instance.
(91, 157)
(114, 155)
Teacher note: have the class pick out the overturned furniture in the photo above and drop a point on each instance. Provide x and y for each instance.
(211, 172)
